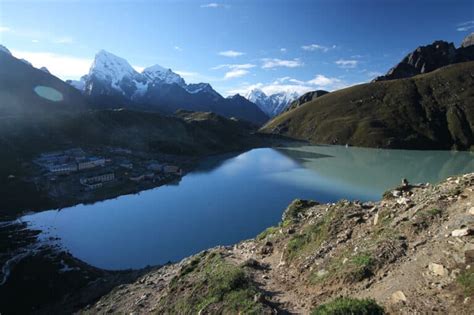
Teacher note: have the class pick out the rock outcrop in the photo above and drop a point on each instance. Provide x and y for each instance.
(307, 97)
(427, 58)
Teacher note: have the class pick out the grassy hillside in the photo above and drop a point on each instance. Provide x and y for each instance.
(430, 111)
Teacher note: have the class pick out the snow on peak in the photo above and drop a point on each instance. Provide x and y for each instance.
(255, 95)
(5, 50)
(111, 68)
(194, 88)
(163, 75)
(272, 104)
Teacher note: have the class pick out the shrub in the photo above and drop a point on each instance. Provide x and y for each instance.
(345, 306)
(466, 280)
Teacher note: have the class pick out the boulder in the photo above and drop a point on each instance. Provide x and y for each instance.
(398, 296)
(438, 269)
(376, 218)
(471, 211)
(462, 232)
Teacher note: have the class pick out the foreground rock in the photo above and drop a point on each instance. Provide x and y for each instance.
(407, 262)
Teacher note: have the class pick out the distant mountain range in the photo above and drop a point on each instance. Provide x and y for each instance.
(112, 83)
(425, 102)
(273, 104)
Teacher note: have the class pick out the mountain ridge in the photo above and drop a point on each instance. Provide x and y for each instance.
(428, 111)
(113, 83)
(272, 104)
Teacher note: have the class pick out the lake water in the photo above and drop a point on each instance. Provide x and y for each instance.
(232, 198)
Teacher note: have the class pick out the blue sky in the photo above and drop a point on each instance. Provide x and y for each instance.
(234, 45)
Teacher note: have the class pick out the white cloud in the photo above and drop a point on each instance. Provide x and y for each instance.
(269, 63)
(465, 26)
(270, 89)
(138, 68)
(323, 81)
(35, 41)
(178, 48)
(234, 66)
(231, 53)
(187, 73)
(283, 50)
(63, 66)
(213, 5)
(63, 40)
(346, 63)
(235, 70)
(314, 47)
(4, 29)
(288, 84)
(235, 73)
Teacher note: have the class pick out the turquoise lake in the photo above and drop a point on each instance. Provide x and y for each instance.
(232, 198)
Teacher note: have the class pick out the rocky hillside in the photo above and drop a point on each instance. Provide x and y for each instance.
(429, 111)
(427, 58)
(412, 252)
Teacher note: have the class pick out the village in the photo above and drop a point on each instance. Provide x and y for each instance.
(95, 174)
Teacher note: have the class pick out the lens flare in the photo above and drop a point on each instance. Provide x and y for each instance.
(48, 93)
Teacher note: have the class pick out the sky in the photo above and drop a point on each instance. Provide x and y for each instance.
(234, 45)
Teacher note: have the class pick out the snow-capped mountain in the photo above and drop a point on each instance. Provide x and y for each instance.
(159, 75)
(112, 82)
(273, 104)
(202, 88)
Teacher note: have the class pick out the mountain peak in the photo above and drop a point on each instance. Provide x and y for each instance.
(109, 67)
(159, 74)
(194, 88)
(155, 68)
(44, 69)
(468, 41)
(427, 58)
(5, 50)
(272, 104)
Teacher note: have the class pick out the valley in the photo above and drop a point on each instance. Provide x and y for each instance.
(236, 158)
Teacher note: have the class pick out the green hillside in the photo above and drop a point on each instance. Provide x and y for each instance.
(429, 111)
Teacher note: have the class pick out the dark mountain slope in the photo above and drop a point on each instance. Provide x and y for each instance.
(306, 97)
(427, 58)
(22, 85)
(430, 111)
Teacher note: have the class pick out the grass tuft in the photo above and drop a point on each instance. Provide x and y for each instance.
(345, 306)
